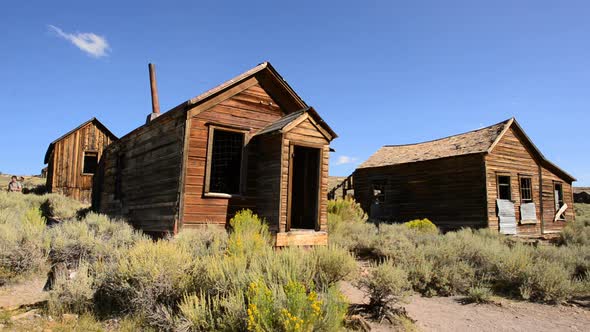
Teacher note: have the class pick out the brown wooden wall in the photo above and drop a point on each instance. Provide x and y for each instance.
(66, 163)
(246, 106)
(512, 157)
(306, 133)
(268, 178)
(151, 158)
(449, 191)
(549, 178)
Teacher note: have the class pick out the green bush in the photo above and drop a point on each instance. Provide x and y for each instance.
(292, 307)
(387, 285)
(547, 282)
(479, 294)
(347, 210)
(212, 313)
(61, 207)
(23, 245)
(249, 235)
(576, 233)
(72, 294)
(148, 276)
(205, 241)
(422, 225)
(331, 264)
(93, 238)
(356, 237)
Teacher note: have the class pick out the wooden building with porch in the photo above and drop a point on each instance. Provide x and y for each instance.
(491, 177)
(250, 142)
(72, 159)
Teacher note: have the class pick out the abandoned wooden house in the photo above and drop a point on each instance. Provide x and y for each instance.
(73, 158)
(250, 142)
(492, 177)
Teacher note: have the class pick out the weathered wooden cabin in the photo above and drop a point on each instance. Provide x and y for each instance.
(73, 158)
(250, 142)
(491, 177)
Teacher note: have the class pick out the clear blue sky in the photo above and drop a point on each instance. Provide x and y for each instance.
(379, 73)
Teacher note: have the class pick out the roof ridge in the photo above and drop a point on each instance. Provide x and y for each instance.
(446, 137)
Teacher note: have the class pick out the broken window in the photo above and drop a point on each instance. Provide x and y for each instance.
(558, 188)
(225, 161)
(378, 191)
(526, 189)
(90, 162)
(504, 191)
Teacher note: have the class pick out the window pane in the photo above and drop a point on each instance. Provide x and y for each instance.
(226, 160)
(90, 162)
(504, 187)
(379, 191)
(526, 191)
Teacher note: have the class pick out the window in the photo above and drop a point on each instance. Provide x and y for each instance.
(224, 161)
(378, 191)
(504, 191)
(558, 188)
(90, 162)
(526, 189)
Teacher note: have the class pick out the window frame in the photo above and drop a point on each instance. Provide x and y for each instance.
(375, 199)
(210, 135)
(560, 184)
(95, 153)
(520, 188)
(498, 185)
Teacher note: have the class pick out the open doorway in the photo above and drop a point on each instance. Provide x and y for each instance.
(305, 172)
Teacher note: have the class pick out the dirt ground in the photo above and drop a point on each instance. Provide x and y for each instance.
(449, 314)
(29, 292)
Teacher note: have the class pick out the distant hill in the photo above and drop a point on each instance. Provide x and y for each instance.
(30, 180)
(333, 181)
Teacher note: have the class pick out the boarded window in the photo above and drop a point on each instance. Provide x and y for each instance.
(90, 162)
(225, 161)
(504, 191)
(378, 191)
(526, 189)
(558, 197)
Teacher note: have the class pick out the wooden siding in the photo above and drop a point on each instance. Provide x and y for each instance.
(549, 178)
(268, 178)
(447, 191)
(151, 158)
(512, 157)
(305, 133)
(248, 106)
(66, 162)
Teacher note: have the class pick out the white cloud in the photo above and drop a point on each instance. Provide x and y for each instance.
(343, 160)
(93, 44)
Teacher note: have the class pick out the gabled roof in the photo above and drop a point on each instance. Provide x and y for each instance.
(477, 141)
(288, 119)
(267, 75)
(93, 120)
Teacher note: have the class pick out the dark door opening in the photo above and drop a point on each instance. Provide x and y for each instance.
(305, 188)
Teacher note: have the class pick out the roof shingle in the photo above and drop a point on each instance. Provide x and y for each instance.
(476, 141)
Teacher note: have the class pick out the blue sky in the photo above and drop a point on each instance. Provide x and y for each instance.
(379, 72)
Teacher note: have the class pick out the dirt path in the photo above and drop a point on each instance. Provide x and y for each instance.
(448, 314)
(27, 292)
